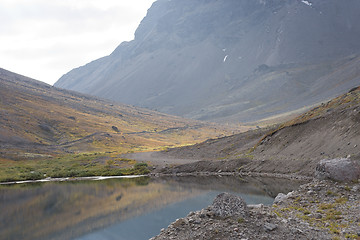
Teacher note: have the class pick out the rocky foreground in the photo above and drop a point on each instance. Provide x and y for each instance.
(321, 209)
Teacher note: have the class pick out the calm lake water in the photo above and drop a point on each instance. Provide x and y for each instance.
(118, 208)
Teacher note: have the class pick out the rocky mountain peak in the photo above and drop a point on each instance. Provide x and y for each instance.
(230, 60)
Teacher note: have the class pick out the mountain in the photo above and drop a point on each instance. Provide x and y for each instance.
(49, 125)
(230, 60)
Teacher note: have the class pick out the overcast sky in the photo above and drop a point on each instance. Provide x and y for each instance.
(44, 39)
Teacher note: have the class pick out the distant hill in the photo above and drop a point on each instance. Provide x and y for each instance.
(231, 60)
(38, 119)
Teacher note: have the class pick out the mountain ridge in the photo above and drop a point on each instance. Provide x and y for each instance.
(230, 61)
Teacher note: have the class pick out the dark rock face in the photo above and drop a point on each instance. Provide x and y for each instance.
(340, 169)
(230, 60)
(228, 205)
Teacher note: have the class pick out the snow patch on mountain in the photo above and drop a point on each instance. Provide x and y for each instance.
(307, 2)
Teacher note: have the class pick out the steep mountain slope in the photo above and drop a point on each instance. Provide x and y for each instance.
(231, 60)
(330, 130)
(38, 118)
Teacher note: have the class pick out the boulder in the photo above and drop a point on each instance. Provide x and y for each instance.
(269, 227)
(228, 205)
(45, 127)
(115, 129)
(280, 198)
(338, 169)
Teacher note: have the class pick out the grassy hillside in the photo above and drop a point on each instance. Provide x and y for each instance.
(45, 128)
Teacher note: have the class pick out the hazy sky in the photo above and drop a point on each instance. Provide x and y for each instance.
(44, 39)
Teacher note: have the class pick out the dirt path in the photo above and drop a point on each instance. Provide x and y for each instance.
(158, 159)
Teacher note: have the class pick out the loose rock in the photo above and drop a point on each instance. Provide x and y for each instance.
(228, 205)
(339, 169)
(279, 198)
(270, 226)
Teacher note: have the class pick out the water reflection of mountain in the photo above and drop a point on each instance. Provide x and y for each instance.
(67, 210)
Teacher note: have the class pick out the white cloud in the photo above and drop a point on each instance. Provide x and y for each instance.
(44, 39)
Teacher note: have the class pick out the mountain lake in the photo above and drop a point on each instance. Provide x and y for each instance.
(136, 208)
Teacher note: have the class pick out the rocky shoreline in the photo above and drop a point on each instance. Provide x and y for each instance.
(241, 174)
(320, 209)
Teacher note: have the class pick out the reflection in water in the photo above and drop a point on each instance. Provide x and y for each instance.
(117, 208)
